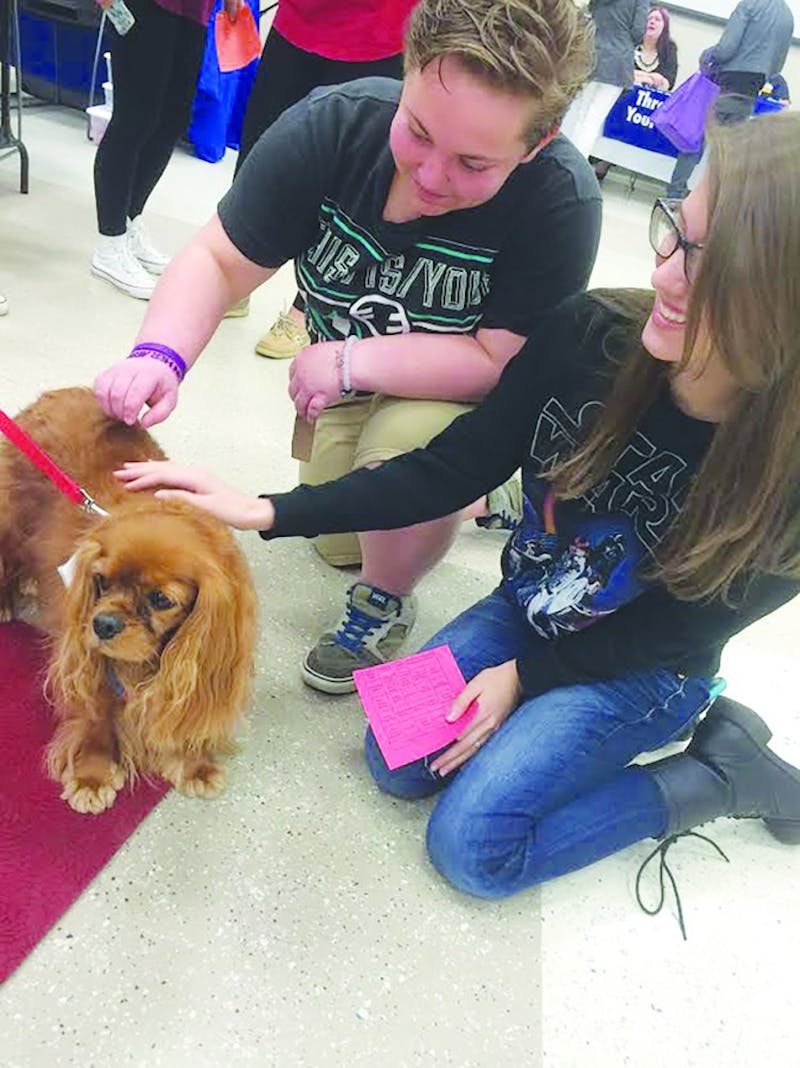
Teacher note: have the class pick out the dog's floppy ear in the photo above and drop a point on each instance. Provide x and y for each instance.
(75, 672)
(203, 684)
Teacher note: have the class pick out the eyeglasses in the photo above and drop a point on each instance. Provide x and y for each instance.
(666, 236)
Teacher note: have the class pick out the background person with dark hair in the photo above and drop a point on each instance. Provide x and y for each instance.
(655, 61)
(655, 64)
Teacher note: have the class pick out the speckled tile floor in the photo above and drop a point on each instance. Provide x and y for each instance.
(295, 922)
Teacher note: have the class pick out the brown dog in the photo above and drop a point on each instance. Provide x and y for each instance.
(152, 643)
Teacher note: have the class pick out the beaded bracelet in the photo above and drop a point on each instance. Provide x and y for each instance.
(162, 353)
(343, 366)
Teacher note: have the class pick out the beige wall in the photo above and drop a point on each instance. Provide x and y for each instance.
(692, 35)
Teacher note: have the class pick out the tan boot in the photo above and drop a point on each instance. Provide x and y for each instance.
(284, 339)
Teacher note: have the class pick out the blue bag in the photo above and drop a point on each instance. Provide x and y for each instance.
(220, 100)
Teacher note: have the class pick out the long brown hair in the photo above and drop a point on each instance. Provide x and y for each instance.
(742, 514)
(666, 48)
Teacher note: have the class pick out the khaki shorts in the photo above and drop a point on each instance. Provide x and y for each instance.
(367, 431)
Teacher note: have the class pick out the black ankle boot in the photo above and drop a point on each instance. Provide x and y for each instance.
(727, 770)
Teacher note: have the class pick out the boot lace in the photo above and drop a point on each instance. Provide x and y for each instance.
(285, 326)
(664, 871)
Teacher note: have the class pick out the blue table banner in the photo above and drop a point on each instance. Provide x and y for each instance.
(630, 120)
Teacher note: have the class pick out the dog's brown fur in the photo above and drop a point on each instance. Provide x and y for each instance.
(169, 576)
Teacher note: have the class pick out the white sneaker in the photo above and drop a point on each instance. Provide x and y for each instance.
(3, 304)
(114, 261)
(149, 257)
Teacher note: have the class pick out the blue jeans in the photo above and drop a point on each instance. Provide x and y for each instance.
(551, 790)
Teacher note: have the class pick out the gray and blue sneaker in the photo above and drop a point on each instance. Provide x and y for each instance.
(371, 630)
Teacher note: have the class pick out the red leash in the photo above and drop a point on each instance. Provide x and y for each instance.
(68, 486)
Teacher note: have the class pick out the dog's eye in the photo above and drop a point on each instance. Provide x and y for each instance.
(101, 584)
(159, 601)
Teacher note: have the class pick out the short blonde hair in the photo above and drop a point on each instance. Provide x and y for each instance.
(542, 49)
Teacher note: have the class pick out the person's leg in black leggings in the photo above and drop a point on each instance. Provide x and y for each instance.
(176, 108)
(155, 74)
(141, 62)
(286, 74)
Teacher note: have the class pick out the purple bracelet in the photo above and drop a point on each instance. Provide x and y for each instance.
(162, 353)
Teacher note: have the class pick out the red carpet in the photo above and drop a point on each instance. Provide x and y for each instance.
(48, 853)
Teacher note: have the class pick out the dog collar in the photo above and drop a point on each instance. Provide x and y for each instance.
(113, 680)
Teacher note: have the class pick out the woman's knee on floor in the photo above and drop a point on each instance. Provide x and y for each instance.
(464, 859)
(411, 782)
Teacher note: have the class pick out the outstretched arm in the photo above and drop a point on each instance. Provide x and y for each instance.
(192, 295)
(475, 453)
(201, 488)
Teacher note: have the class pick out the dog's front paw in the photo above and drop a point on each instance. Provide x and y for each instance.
(199, 779)
(91, 795)
(207, 781)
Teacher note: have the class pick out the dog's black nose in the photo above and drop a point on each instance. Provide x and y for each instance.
(107, 626)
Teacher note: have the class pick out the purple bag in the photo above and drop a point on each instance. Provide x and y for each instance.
(682, 118)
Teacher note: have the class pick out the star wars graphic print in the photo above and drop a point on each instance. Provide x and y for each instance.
(566, 572)
(570, 562)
